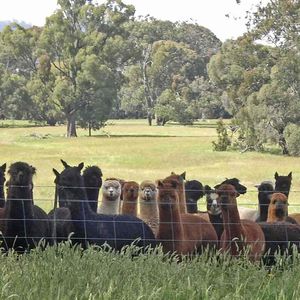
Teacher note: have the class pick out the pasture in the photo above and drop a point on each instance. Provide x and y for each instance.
(131, 150)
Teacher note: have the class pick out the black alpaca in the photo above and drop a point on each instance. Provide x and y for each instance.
(92, 177)
(241, 189)
(265, 191)
(25, 224)
(2, 180)
(283, 183)
(193, 192)
(92, 228)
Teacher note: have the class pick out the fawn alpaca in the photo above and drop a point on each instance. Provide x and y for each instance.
(238, 234)
(178, 232)
(130, 192)
(148, 205)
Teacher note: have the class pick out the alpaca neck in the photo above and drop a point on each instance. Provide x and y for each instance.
(92, 196)
(263, 209)
(191, 206)
(2, 197)
(19, 202)
(110, 207)
(217, 221)
(149, 209)
(231, 222)
(129, 206)
(170, 225)
(182, 199)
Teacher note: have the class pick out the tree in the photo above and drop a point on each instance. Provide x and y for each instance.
(82, 41)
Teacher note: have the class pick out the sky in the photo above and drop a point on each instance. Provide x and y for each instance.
(212, 14)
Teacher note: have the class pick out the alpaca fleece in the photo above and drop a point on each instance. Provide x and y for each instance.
(238, 235)
(130, 192)
(148, 204)
(114, 231)
(178, 232)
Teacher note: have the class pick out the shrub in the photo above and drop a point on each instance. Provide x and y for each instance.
(292, 136)
(223, 141)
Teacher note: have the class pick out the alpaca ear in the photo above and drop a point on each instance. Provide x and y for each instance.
(290, 175)
(159, 183)
(183, 175)
(276, 175)
(56, 173)
(33, 169)
(80, 166)
(207, 189)
(3, 167)
(65, 164)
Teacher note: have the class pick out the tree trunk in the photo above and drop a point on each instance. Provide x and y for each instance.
(283, 144)
(149, 117)
(71, 126)
(90, 129)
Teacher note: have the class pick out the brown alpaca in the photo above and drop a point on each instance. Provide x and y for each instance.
(148, 204)
(130, 192)
(177, 232)
(238, 235)
(278, 209)
(181, 190)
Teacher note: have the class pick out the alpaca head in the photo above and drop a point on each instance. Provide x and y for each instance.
(148, 191)
(111, 189)
(2, 174)
(69, 182)
(167, 192)
(239, 188)
(283, 183)
(227, 196)
(212, 205)
(21, 174)
(130, 190)
(92, 176)
(265, 191)
(279, 205)
(193, 192)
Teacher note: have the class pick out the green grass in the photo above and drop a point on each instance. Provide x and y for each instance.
(65, 273)
(132, 150)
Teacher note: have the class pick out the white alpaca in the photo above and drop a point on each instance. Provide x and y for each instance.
(111, 193)
(148, 205)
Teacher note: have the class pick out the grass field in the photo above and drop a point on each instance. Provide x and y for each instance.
(130, 149)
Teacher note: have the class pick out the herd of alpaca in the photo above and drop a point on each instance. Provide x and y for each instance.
(164, 212)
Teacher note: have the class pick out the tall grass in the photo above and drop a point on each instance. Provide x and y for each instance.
(67, 273)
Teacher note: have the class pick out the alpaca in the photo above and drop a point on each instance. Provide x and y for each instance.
(283, 183)
(245, 212)
(214, 210)
(148, 204)
(193, 192)
(92, 177)
(130, 196)
(111, 193)
(115, 231)
(265, 191)
(25, 224)
(2, 180)
(239, 235)
(185, 234)
(278, 209)
(281, 238)
(180, 179)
